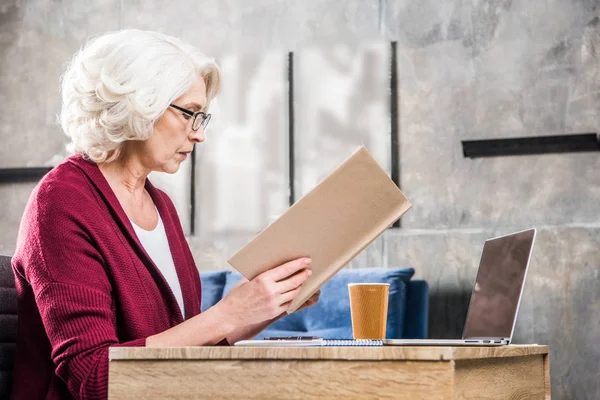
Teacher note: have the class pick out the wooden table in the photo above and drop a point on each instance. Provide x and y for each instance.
(508, 372)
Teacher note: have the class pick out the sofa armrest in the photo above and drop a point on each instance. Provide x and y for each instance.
(417, 310)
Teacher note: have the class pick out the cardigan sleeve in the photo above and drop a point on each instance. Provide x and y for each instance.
(77, 319)
(73, 293)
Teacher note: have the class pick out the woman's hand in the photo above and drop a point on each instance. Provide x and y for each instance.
(267, 296)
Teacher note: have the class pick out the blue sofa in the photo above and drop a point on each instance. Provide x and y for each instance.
(330, 317)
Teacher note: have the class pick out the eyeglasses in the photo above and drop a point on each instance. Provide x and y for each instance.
(200, 119)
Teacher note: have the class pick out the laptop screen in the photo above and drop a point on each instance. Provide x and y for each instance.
(498, 286)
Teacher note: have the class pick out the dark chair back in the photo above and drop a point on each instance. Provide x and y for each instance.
(8, 326)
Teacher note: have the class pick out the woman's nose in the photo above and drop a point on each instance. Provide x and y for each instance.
(198, 136)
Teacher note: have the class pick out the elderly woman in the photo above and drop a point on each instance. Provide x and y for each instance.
(101, 258)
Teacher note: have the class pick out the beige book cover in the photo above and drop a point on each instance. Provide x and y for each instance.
(331, 224)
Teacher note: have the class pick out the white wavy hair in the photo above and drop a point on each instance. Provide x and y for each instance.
(118, 85)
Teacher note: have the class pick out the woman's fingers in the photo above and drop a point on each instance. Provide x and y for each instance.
(285, 270)
(293, 281)
(287, 297)
(313, 299)
(283, 283)
(308, 303)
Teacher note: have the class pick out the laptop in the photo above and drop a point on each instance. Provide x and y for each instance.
(496, 294)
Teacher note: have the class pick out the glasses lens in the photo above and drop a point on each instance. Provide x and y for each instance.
(197, 122)
(206, 121)
(201, 121)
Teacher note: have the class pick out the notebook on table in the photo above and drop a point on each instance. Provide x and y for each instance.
(496, 295)
(331, 224)
(313, 342)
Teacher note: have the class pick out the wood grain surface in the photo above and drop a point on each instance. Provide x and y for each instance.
(547, 379)
(430, 353)
(286, 379)
(514, 372)
(500, 378)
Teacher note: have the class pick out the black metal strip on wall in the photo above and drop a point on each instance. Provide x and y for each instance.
(394, 119)
(193, 193)
(291, 158)
(24, 174)
(583, 142)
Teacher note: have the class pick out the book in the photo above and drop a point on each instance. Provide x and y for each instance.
(352, 342)
(331, 224)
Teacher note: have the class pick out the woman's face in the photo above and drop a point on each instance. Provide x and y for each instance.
(173, 138)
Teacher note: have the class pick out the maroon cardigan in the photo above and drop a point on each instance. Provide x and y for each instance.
(85, 283)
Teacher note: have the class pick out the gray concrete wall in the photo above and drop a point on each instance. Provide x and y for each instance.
(467, 70)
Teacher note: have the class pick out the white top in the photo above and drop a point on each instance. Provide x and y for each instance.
(157, 246)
